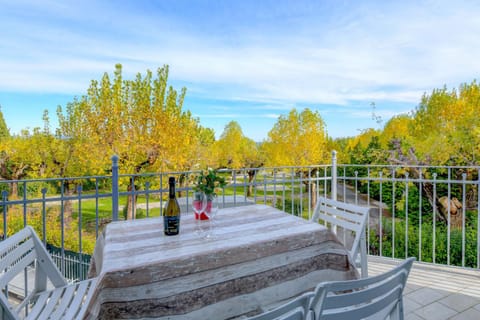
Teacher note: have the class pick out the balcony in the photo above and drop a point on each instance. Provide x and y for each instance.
(427, 212)
(436, 292)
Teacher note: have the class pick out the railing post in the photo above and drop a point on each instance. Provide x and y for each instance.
(4, 207)
(115, 188)
(334, 182)
(334, 175)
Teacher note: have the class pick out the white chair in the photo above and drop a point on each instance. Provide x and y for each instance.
(296, 309)
(376, 297)
(58, 300)
(348, 222)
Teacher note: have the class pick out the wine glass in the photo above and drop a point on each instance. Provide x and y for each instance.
(199, 205)
(210, 212)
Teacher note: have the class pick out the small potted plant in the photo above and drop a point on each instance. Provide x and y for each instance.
(209, 183)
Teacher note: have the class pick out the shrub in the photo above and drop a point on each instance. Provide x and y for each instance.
(35, 218)
(394, 242)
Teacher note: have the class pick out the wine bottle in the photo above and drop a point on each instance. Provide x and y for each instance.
(171, 215)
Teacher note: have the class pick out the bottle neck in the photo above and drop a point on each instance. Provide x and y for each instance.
(171, 190)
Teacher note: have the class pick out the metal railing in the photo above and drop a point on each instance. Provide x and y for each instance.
(427, 212)
(407, 217)
(69, 213)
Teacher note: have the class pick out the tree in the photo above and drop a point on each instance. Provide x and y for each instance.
(4, 132)
(444, 130)
(298, 139)
(365, 148)
(140, 120)
(396, 129)
(15, 159)
(446, 126)
(235, 150)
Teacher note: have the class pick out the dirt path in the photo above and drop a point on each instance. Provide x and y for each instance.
(348, 192)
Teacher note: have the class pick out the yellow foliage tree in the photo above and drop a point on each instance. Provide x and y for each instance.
(15, 159)
(445, 126)
(234, 149)
(140, 120)
(397, 128)
(297, 139)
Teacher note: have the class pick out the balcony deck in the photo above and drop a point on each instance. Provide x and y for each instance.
(436, 292)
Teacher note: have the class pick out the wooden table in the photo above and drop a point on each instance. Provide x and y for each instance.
(259, 257)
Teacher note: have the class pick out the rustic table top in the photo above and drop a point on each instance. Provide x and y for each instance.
(257, 247)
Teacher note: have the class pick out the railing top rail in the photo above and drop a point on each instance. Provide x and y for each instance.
(406, 166)
(146, 174)
(55, 179)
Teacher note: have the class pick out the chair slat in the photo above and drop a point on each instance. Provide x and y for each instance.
(52, 303)
(18, 267)
(363, 295)
(19, 250)
(77, 302)
(292, 310)
(7, 311)
(383, 306)
(339, 222)
(353, 217)
(87, 299)
(24, 249)
(40, 304)
(67, 297)
(348, 217)
(14, 240)
(357, 299)
(345, 206)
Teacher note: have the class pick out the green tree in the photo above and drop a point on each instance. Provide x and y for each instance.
(4, 132)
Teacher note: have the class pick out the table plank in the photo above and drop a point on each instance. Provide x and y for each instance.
(256, 248)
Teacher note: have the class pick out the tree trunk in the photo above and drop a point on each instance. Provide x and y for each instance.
(251, 176)
(182, 182)
(131, 201)
(313, 194)
(14, 190)
(455, 211)
(13, 173)
(440, 207)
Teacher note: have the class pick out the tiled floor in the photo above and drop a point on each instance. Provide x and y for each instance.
(436, 292)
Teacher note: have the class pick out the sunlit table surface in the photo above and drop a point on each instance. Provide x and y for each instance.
(259, 256)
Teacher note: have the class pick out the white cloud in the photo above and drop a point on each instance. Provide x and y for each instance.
(343, 53)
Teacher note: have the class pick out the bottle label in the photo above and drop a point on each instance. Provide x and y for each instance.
(171, 225)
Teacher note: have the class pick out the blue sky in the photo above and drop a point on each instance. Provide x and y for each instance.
(249, 61)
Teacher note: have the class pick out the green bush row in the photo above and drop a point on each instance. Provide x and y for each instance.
(421, 238)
